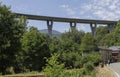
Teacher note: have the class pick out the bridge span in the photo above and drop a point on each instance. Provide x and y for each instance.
(73, 22)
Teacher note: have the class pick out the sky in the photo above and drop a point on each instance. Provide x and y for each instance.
(82, 9)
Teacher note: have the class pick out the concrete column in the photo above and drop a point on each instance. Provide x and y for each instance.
(72, 25)
(50, 25)
(111, 27)
(93, 29)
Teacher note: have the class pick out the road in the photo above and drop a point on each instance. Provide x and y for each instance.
(115, 67)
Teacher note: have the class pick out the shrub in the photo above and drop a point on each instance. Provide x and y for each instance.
(53, 68)
(73, 74)
(71, 59)
(10, 70)
(88, 67)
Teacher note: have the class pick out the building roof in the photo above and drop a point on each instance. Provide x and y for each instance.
(115, 48)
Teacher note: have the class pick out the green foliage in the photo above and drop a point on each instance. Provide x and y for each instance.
(93, 57)
(68, 45)
(54, 45)
(70, 52)
(11, 31)
(35, 47)
(54, 68)
(88, 43)
(88, 67)
(73, 35)
(74, 73)
(101, 31)
(113, 38)
(71, 59)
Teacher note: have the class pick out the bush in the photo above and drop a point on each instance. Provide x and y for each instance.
(56, 69)
(71, 59)
(10, 70)
(73, 74)
(53, 68)
(89, 67)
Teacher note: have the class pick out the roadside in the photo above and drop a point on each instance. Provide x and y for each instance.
(104, 72)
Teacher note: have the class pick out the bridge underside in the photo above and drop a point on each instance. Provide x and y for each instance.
(72, 21)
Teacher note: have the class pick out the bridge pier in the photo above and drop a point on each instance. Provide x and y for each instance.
(111, 27)
(50, 25)
(72, 25)
(93, 29)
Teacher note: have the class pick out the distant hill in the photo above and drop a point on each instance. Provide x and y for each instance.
(54, 32)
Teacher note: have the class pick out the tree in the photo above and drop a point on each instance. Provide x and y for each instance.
(74, 35)
(69, 52)
(68, 47)
(88, 44)
(11, 31)
(55, 45)
(113, 38)
(35, 46)
(100, 33)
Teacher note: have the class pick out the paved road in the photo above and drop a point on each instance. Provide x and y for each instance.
(116, 68)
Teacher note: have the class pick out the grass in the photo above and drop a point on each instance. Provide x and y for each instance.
(24, 74)
(30, 74)
(104, 72)
(100, 72)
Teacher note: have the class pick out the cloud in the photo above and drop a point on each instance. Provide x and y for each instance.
(95, 9)
(103, 9)
(69, 10)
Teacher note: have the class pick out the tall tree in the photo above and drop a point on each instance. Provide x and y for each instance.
(74, 35)
(101, 32)
(55, 45)
(88, 43)
(11, 31)
(113, 38)
(36, 48)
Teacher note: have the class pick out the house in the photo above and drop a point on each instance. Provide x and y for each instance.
(115, 52)
(112, 53)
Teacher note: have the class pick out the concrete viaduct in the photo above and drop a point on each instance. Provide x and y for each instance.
(72, 21)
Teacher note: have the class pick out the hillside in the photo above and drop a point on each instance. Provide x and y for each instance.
(54, 32)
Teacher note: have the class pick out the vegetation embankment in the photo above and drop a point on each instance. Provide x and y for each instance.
(25, 49)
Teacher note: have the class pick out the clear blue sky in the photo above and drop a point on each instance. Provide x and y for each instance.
(83, 9)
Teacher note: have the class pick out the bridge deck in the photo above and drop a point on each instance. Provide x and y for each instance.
(59, 19)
